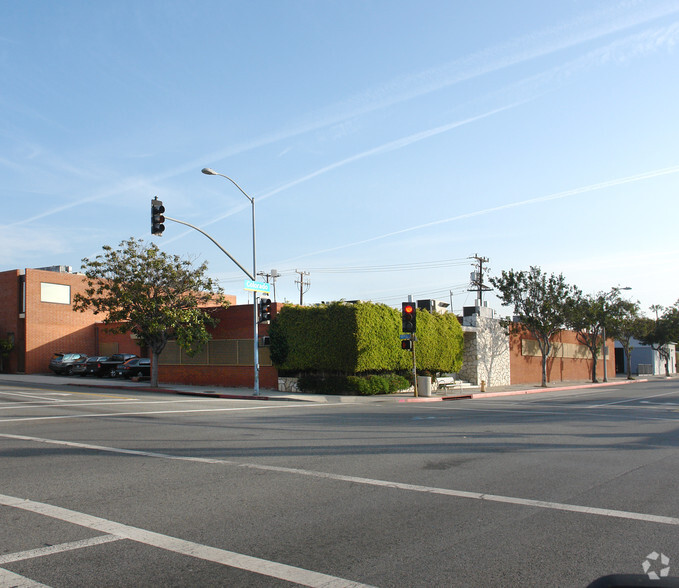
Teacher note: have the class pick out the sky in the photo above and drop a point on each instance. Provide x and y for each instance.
(384, 142)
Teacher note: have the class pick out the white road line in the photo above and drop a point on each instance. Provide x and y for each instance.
(580, 410)
(150, 413)
(620, 514)
(11, 580)
(634, 399)
(62, 547)
(94, 402)
(182, 546)
(25, 395)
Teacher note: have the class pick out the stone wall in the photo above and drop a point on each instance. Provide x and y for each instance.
(486, 351)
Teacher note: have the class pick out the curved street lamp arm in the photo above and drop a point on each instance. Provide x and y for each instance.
(246, 272)
(211, 172)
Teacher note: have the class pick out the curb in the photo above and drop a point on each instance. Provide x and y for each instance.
(208, 394)
(481, 395)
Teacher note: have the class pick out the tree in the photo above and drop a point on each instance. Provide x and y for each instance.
(156, 296)
(625, 325)
(596, 317)
(586, 316)
(540, 304)
(660, 333)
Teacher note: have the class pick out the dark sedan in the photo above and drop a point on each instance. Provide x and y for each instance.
(78, 368)
(62, 363)
(94, 366)
(139, 367)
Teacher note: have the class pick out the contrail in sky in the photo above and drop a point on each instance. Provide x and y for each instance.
(613, 19)
(557, 196)
(385, 148)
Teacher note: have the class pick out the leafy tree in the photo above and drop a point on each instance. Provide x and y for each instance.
(156, 296)
(660, 333)
(593, 317)
(586, 316)
(626, 324)
(540, 304)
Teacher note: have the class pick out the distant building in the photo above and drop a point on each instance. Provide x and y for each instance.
(644, 360)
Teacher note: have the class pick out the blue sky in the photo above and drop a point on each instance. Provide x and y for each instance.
(384, 142)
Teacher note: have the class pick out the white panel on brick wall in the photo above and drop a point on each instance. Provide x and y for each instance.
(57, 293)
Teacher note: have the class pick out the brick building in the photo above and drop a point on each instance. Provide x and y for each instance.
(226, 360)
(36, 312)
(568, 360)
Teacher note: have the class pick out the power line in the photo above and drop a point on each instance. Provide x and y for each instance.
(422, 265)
(392, 268)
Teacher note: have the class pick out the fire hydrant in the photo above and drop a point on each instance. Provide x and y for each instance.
(483, 385)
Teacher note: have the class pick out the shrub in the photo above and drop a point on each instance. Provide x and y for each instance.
(352, 385)
(320, 384)
(397, 383)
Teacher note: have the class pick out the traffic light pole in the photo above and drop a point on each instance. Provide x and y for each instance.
(255, 357)
(414, 366)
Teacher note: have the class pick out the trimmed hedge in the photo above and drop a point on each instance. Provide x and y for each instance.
(352, 385)
(361, 338)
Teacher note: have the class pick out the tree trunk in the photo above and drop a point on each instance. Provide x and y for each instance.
(595, 359)
(154, 369)
(545, 348)
(629, 363)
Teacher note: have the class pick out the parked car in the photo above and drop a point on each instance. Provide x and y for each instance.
(62, 363)
(94, 366)
(111, 364)
(79, 366)
(139, 367)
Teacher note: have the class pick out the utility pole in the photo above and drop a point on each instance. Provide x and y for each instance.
(273, 275)
(477, 283)
(303, 285)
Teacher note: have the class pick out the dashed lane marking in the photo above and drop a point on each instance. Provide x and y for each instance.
(605, 512)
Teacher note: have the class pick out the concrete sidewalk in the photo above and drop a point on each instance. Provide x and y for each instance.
(266, 395)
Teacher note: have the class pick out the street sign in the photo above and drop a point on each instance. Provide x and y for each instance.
(253, 286)
(405, 337)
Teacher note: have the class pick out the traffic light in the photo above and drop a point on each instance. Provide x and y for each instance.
(408, 317)
(264, 310)
(157, 218)
(406, 344)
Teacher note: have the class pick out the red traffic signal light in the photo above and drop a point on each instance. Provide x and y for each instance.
(157, 218)
(408, 317)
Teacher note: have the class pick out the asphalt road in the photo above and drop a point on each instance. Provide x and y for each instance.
(109, 488)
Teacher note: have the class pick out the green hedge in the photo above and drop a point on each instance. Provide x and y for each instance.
(361, 338)
(352, 385)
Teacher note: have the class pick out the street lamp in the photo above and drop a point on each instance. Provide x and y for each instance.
(211, 172)
(613, 292)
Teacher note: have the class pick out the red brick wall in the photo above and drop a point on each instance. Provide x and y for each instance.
(122, 342)
(53, 327)
(235, 322)
(217, 375)
(9, 316)
(528, 369)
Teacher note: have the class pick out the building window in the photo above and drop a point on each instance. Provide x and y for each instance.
(55, 293)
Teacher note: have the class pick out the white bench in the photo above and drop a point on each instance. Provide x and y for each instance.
(445, 382)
